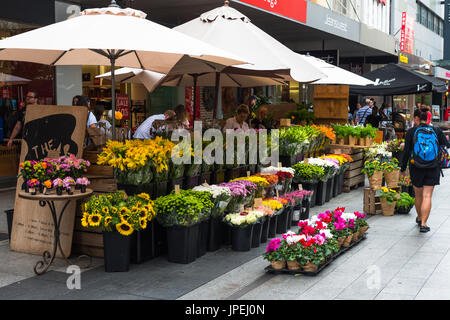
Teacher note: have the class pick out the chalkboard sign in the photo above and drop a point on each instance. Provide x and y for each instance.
(49, 131)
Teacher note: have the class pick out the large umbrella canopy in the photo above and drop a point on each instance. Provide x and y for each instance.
(151, 79)
(8, 79)
(114, 36)
(394, 79)
(336, 75)
(227, 28)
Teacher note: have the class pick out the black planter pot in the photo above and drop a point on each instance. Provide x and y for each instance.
(203, 238)
(233, 173)
(409, 190)
(191, 182)
(282, 222)
(299, 158)
(403, 210)
(265, 229)
(83, 189)
(182, 243)
(116, 249)
(243, 171)
(215, 234)
(226, 234)
(290, 217)
(218, 176)
(341, 182)
(132, 189)
(172, 183)
(273, 227)
(205, 177)
(160, 239)
(241, 238)
(252, 168)
(299, 207)
(143, 244)
(306, 204)
(311, 187)
(41, 188)
(321, 193)
(257, 233)
(59, 191)
(329, 190)
(161, 188)
(335, 185)
(288, 161)
(9, 220)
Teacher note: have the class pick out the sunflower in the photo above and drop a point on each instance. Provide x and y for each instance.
(97, 202)
(139, 204)
(144, 196)
(143, 213)
(96, 211)
(125, 216)
(124, 228)
(84, 220)
(105, 210)
(124, 210)
(107, 220)
(109, 197)
(143, 223)
(114, 210)
(94, 220)
(134, 210)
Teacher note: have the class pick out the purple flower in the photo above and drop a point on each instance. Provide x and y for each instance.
(273, 245)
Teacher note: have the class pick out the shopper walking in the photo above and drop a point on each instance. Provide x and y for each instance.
(422, 145)
(31, 98)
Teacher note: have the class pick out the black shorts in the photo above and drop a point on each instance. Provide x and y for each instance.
(424, 177)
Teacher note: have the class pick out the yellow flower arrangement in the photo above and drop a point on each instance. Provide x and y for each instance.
(260, 181)
(124, 228)
(84, 220)
(272, 204)
(94, 219)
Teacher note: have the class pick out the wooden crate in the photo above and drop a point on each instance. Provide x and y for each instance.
(85, 240)
(372, 203)
(331, 103)
(353, 177)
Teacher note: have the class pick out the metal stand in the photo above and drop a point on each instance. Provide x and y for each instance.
(42, 266)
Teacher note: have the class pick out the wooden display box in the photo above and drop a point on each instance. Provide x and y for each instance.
(9, 161)
(372, 203)
(353, 177)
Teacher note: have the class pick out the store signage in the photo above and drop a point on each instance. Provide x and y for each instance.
(441, 73)
(293, 9)
(329, 56)
(403, 58)
(336, 24)
(123, 105)
(378, 82)
(407, 34)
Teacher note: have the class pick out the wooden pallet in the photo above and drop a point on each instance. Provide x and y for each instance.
(353, 177)
(372, 203)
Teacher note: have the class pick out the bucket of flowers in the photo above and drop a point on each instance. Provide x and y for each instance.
(82, 183)
(374, 171)
(68, 182)
(388, 198)
(32, 185)
(391, 172)
(241, 229)
(275, 254)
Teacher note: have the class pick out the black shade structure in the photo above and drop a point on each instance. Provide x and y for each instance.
(394, 79)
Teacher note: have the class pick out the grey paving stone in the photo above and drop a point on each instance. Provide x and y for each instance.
(433, 294)
(404, 286)
(393, 296)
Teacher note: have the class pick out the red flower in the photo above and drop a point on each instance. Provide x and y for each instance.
(244, 213)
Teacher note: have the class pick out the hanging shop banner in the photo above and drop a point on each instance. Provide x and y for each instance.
(123, 105)
(292, 9)
(49, 131)
(5, 93)
(436, 111)
(407, 35)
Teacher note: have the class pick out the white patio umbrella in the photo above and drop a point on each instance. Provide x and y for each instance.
(227, 28)
(151, 79)
(336, 75)
(9, 79)
(113, 36)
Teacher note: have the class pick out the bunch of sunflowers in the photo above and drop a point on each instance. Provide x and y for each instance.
(112, 212)
(133, 155)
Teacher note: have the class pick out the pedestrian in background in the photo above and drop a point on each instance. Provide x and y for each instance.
(422, 145)
(364, 112)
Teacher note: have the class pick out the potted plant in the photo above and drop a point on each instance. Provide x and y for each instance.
(374, 172)
(58, 184)
(241, 229)
(278, 209)
(82, 183)
(68, 182)
(275, 254)
(118, 218)
(362, 224)
(32, 185)
(404, 204)
(181, 214)
(221, 198)
(48, 186)
(309, 176)
(406, 184)
(391, 172)
(388, 198)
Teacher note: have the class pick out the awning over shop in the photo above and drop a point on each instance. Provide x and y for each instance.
(394, 79)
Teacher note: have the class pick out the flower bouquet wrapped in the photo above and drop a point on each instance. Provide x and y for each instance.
(239, 192)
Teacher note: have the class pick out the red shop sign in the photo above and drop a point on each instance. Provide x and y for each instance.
(293, 9)
(123, 105)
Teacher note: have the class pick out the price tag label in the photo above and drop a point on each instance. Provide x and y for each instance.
(242, 209)
(177, 189)
(306, 161)
(279, 165)
(248, 173)
(300, 187)
(258, 202)
(278, 195)
(205, 184)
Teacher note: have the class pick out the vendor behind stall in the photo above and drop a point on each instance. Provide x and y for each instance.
(260, 122)
(239, 120)
(31, 98)
(146, 131)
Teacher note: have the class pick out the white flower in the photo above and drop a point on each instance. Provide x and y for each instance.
(293, 238)
(327, 233)
(215, 191)
(319, 162)
(276, 169)
(348, 215)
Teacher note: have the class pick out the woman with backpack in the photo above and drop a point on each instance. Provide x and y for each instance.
(422, 151)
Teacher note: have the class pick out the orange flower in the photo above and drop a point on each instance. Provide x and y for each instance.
(44, 165)
(329, 132)
(271, 178)
(48, 184)
(119, 115)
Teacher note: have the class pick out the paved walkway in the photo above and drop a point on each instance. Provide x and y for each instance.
(394, 262)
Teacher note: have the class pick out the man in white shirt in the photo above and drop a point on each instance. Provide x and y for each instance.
(144, 131)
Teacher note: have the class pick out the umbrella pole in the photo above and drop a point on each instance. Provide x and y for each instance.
(113, 98)
(195, 95)
(216, 102)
